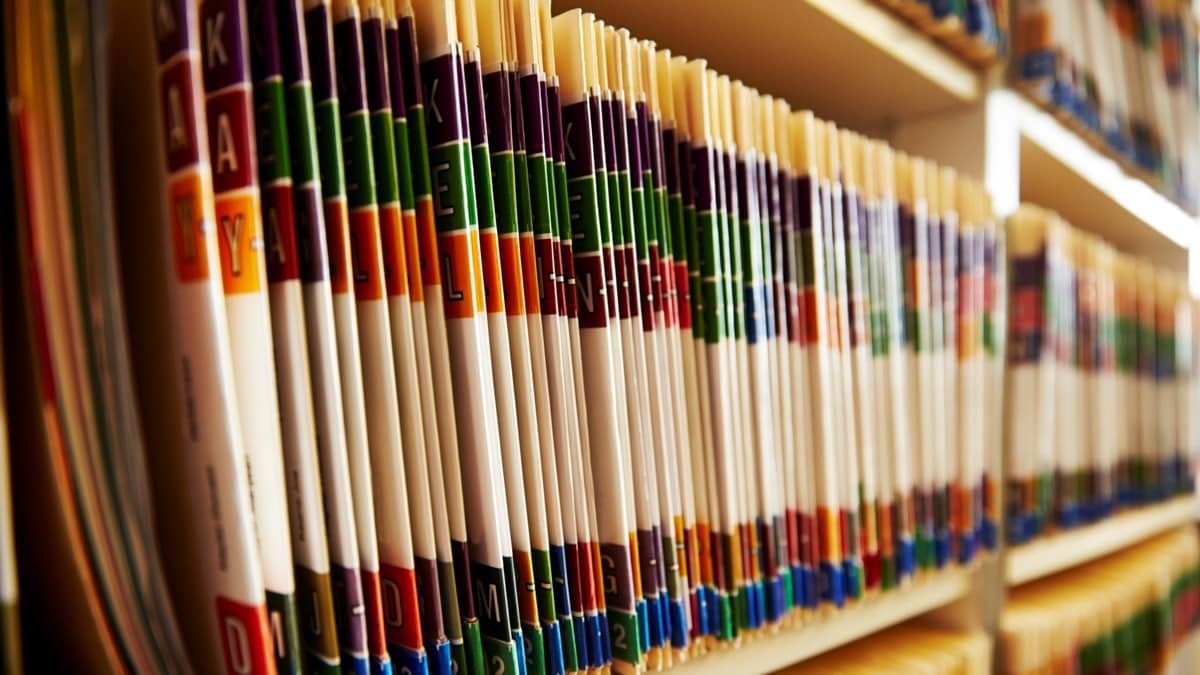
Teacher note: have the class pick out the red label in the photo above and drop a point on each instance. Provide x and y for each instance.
(179, 114)
(683, 296)
(230, 148)
(283, 263)
(373, 604)
(244, 638)
(401, 618)
(337, 233)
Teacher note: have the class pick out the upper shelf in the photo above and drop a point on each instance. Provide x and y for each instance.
(773, 652)
(849, 61)
(1064, 550)
(1061, 171)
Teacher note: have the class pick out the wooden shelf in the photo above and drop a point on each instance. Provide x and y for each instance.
(849, 61)
(1061, 551)
(770, 653)
(1061, 171)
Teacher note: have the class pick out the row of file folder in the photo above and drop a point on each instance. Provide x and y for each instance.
(1103, 379)
(1126, 74)
(439, 336)
(506, 340)
(1134, 611)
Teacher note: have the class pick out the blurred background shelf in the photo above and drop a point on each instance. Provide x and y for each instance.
(1064, 550)
(850, 61)
(772, 652)
(1062, 171)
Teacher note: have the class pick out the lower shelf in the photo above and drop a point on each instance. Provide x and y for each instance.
(1064, 550)
(772, 652)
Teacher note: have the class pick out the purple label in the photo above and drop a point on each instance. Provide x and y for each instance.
(395, 71)
(264, 40)
(347, 44)
(473, 95)
(317, 22)
(671, 159)
(577, 139)
(602, 135)
(617, 572)
(442, 81)
(615, 127)
(702, 178)
(635, 152)
(413, 95)
(462, 579)
(310, 240)
(553, 111)
(516, 115)
(292, 49)
(351, 614)
(429, 597)
(656, 158)
(499, 108)
(807, 203)
(171, 29)
(222, 44)
(532, 103)
(374, 68)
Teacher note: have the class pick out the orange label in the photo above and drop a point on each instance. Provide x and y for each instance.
(462, 285)
(240, 243)
(187, 228)
(510, 269)
(493, 291)
(412, 256)
(337, 233)
(828, 533)
(1035, 32)
(431, 271)
(395, 267)
(365, 260)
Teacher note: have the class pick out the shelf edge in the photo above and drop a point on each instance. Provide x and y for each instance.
(1062, 551)
(906, 44)
(1129, 193)
(792, 646)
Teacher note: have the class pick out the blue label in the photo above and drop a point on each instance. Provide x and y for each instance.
(409, 661)
(552, 642)
(833, 589)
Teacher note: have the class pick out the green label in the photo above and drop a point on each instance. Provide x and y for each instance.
(504, 182)
(329, 139)
(453, 191)
(387, 189)
(301, 130)
(270, 123)
(360, 170)
(583, 214)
